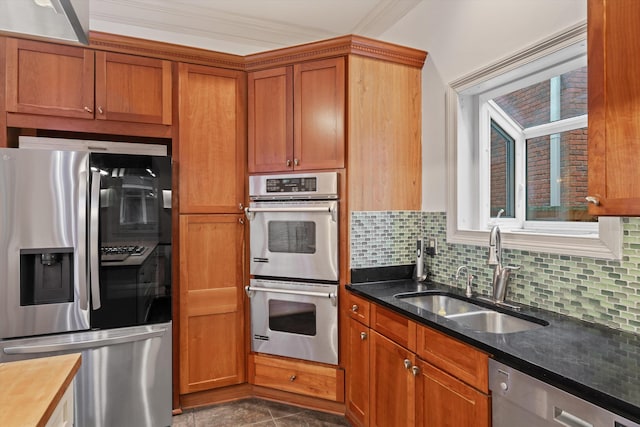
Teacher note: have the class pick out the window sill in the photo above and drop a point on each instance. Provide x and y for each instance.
(607, 246)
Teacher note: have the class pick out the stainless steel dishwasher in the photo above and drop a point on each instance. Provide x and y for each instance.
(521, 400)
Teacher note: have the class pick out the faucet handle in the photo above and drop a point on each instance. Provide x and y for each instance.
(513, 267)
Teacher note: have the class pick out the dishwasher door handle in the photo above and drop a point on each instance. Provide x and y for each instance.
(567, 419)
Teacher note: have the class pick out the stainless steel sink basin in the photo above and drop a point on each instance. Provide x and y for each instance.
(442, 305)
(494, 322)
(470, 315)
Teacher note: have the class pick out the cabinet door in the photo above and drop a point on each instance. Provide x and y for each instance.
(211, 305)
(357, 380)
(319, 114)
(270, 120)
(133, 88)
(442, 400)
(392, 399)
(614, 110)
(212, 139)
(49, 79)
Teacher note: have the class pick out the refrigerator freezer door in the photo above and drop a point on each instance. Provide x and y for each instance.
(125, 376)
(43, 265)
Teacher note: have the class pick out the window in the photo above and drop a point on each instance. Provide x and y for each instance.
(517, 144)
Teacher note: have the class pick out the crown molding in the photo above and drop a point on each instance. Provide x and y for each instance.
(339, 46)
(162, 50)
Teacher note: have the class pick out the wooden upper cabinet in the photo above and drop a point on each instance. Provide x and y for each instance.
(212, 139)
(133, 89)
(614, 109)
(270, 120)
(49, 79)
(297, 117)
(58, 80)
(319, 114)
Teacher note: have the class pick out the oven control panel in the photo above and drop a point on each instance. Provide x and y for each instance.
(321, 185)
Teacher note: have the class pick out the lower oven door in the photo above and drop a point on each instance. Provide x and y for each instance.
(294, 319)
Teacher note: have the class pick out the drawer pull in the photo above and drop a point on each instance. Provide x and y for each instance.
(407, 364)
(292, 378)
(415, 370)
(363, 336)
(355, 308)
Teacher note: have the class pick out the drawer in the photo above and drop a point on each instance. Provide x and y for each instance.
(394, 326)
(299, 377)
(357, 308)
(454, 357)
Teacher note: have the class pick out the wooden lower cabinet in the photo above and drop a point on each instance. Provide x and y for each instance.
(357, 386)
(442, 400)
(392, 387)
(212, 345)
(441, 382)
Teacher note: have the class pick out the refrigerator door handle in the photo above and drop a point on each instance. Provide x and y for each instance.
(82, 345)
(94, 250)
(83, 286)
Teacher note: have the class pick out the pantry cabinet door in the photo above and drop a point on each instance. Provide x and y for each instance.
(212, 344)
(212, 139)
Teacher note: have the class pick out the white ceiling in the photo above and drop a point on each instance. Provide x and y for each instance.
(245, 26)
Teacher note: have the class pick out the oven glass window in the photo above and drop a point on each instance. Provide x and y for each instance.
(292, 317)
(293, 237)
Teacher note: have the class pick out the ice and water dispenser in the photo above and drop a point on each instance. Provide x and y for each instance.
(46, 276)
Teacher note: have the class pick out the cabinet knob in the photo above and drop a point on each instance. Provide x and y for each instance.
(100, 110)
(288, 163)
(593, 199)
(355, 308)
(241, 220)
(292, 378)
(407, 364)
(415, 370)
(88, 110)
(296, 162)
(240, 206)
(363, 336)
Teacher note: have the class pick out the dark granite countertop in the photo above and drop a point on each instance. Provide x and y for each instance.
(596, 363)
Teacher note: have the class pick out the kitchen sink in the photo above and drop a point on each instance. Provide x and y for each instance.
(470, 315)
(494, 322)
(440, 304)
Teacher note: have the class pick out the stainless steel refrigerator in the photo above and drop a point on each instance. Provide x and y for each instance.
(85, 266)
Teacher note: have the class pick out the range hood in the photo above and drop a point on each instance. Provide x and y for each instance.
(57, 19)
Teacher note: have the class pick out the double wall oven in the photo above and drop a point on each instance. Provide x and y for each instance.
(294, 263)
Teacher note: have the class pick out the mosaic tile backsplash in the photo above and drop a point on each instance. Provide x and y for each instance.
(595, 290)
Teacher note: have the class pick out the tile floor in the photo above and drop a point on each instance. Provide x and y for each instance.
(258, 413)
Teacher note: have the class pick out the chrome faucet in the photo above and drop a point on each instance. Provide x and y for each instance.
(501, 273)
(470, 277)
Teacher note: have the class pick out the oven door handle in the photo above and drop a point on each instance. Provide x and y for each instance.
(249, 212)
(331, 295)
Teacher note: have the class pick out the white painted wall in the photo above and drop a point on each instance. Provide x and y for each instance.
(462, 36)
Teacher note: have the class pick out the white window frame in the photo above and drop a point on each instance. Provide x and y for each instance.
(468, 221)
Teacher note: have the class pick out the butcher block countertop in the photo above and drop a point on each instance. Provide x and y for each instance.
(31, 389)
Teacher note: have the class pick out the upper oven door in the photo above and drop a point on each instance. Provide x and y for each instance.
(294, 239)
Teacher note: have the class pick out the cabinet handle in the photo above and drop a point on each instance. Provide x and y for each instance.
(88, 110)
(363, 336)
(292, 378)
(288, 163)
(407, 364)
(241, 220)
(355, 308)
(594, 200)
(415, 370)
(100, 110)
(296, 162)
(240, 206)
